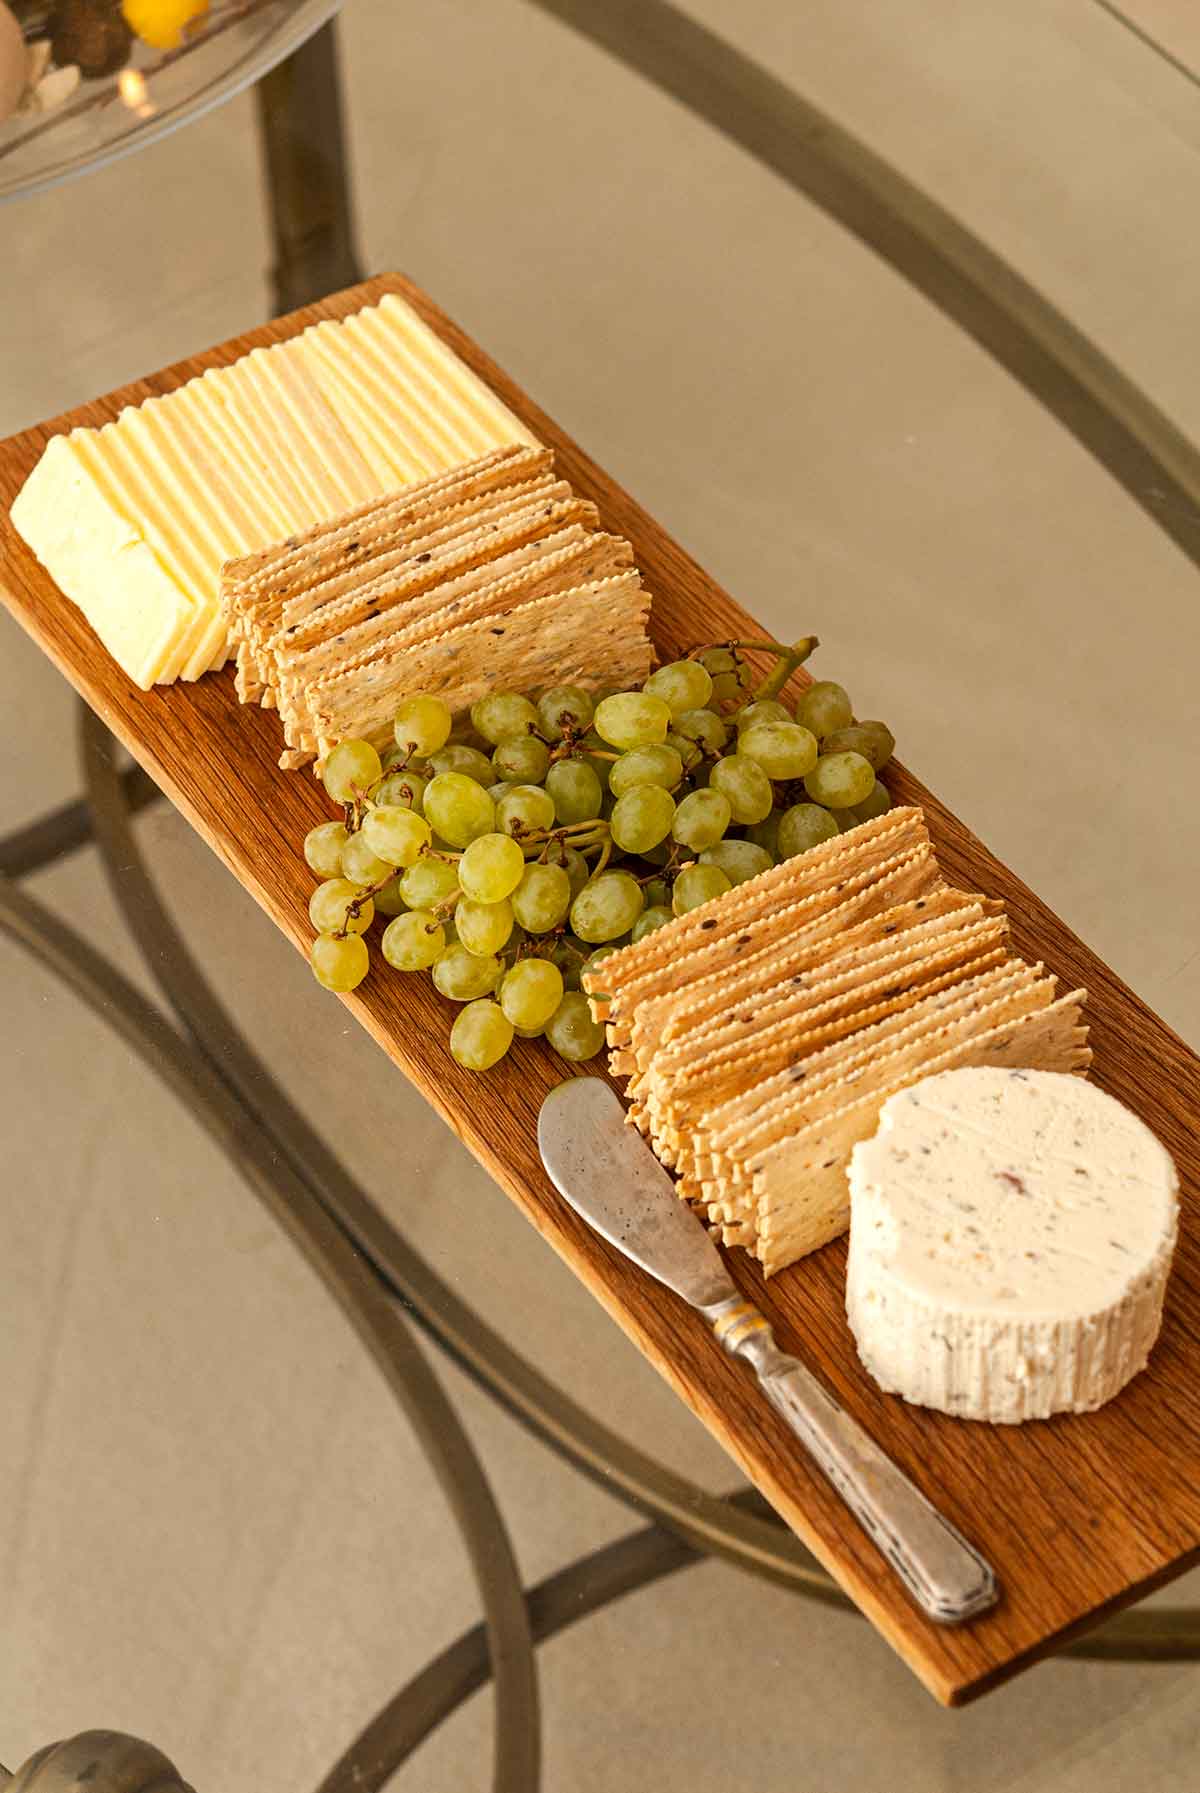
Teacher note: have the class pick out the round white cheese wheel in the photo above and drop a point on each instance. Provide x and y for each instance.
(1011, 1234)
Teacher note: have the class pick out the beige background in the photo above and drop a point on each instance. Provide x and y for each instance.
(214, 1529)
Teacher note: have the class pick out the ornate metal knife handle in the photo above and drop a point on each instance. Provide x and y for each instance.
(945, 1575)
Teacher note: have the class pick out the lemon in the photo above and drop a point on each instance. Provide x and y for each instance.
(161, 23)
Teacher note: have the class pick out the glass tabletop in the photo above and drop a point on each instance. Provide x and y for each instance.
(220, 1534)
(73, 124)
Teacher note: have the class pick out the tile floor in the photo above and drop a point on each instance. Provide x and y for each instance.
(215, 1530)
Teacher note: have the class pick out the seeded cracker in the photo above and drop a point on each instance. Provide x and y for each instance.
(681, 1081)
(779, 946)
(541, 570)
(592, 635)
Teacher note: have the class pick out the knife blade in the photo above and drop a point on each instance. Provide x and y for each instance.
(607, 1173)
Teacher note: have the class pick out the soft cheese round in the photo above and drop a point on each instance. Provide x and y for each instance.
(1011, 1234)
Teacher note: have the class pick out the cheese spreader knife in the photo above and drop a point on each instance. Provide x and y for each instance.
(610, 1176)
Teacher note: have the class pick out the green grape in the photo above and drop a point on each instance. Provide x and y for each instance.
(840, 780)
(329, 908)
(463, 975)
(660, 765)
(429, 884)
(503, 716)
(660, 856)
(530, 992)
(564, 709)
(782, 749)
(766, 709)
(657, 893)
(690, 753)
(400, 790)
(360, 864)
(481, 1035)
(740, 860)
(683, 685)
(698, 884)
(874, 740)
(846, 819)
(390, 899)
(340, 964)
(458, 809)
(729, 673)
(525, 809)
(651, 919)
(746, 786)
(529, 1033)
(483, 928)
(422, 725)
(702, 819)
(457, 757)
(802, 826)
(704, 728)
(608, 905)
(395, 835)
(491, 868)
(577, 792)
(642, 818)
(824, 708)
(632, 719)
(574, 864)
(571, 1030)
(570, 958)
(413, 941)
(765, 834)
(877, 803)
(350, 771)
(323, 849)
(523, 760)
(542, 898)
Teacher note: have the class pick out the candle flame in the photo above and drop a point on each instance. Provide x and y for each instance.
(131, 85)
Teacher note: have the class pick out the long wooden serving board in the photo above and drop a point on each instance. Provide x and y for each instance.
(1079, 1515)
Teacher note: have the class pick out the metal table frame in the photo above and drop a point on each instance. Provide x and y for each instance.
(381, 1284)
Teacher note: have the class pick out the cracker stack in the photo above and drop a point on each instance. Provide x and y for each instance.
(762, 1032)
(493, 574)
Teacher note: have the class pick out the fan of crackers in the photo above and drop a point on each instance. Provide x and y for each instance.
(492, 575)
(762, 1032)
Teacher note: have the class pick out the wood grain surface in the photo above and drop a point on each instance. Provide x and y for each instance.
(1079, 1515)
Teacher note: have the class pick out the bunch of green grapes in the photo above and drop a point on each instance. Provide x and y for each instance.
(509, 851)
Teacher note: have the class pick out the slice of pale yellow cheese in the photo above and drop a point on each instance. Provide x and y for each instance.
(200, 402)
(300, 398)
(453, 374)
(422, 413)
(316, 496)
(99, 559)
(330, 358)
(174, 534)
(259, 453)
(85, 445)
(431, 395)
(177, 458)
(177, 428)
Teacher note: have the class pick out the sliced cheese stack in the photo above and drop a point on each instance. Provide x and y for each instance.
(134, 520)
(1010, 1240)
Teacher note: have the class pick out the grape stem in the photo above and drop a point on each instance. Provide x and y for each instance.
(354, 909)
(789, 659)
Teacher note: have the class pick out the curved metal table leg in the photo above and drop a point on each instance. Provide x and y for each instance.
(350, 1280)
